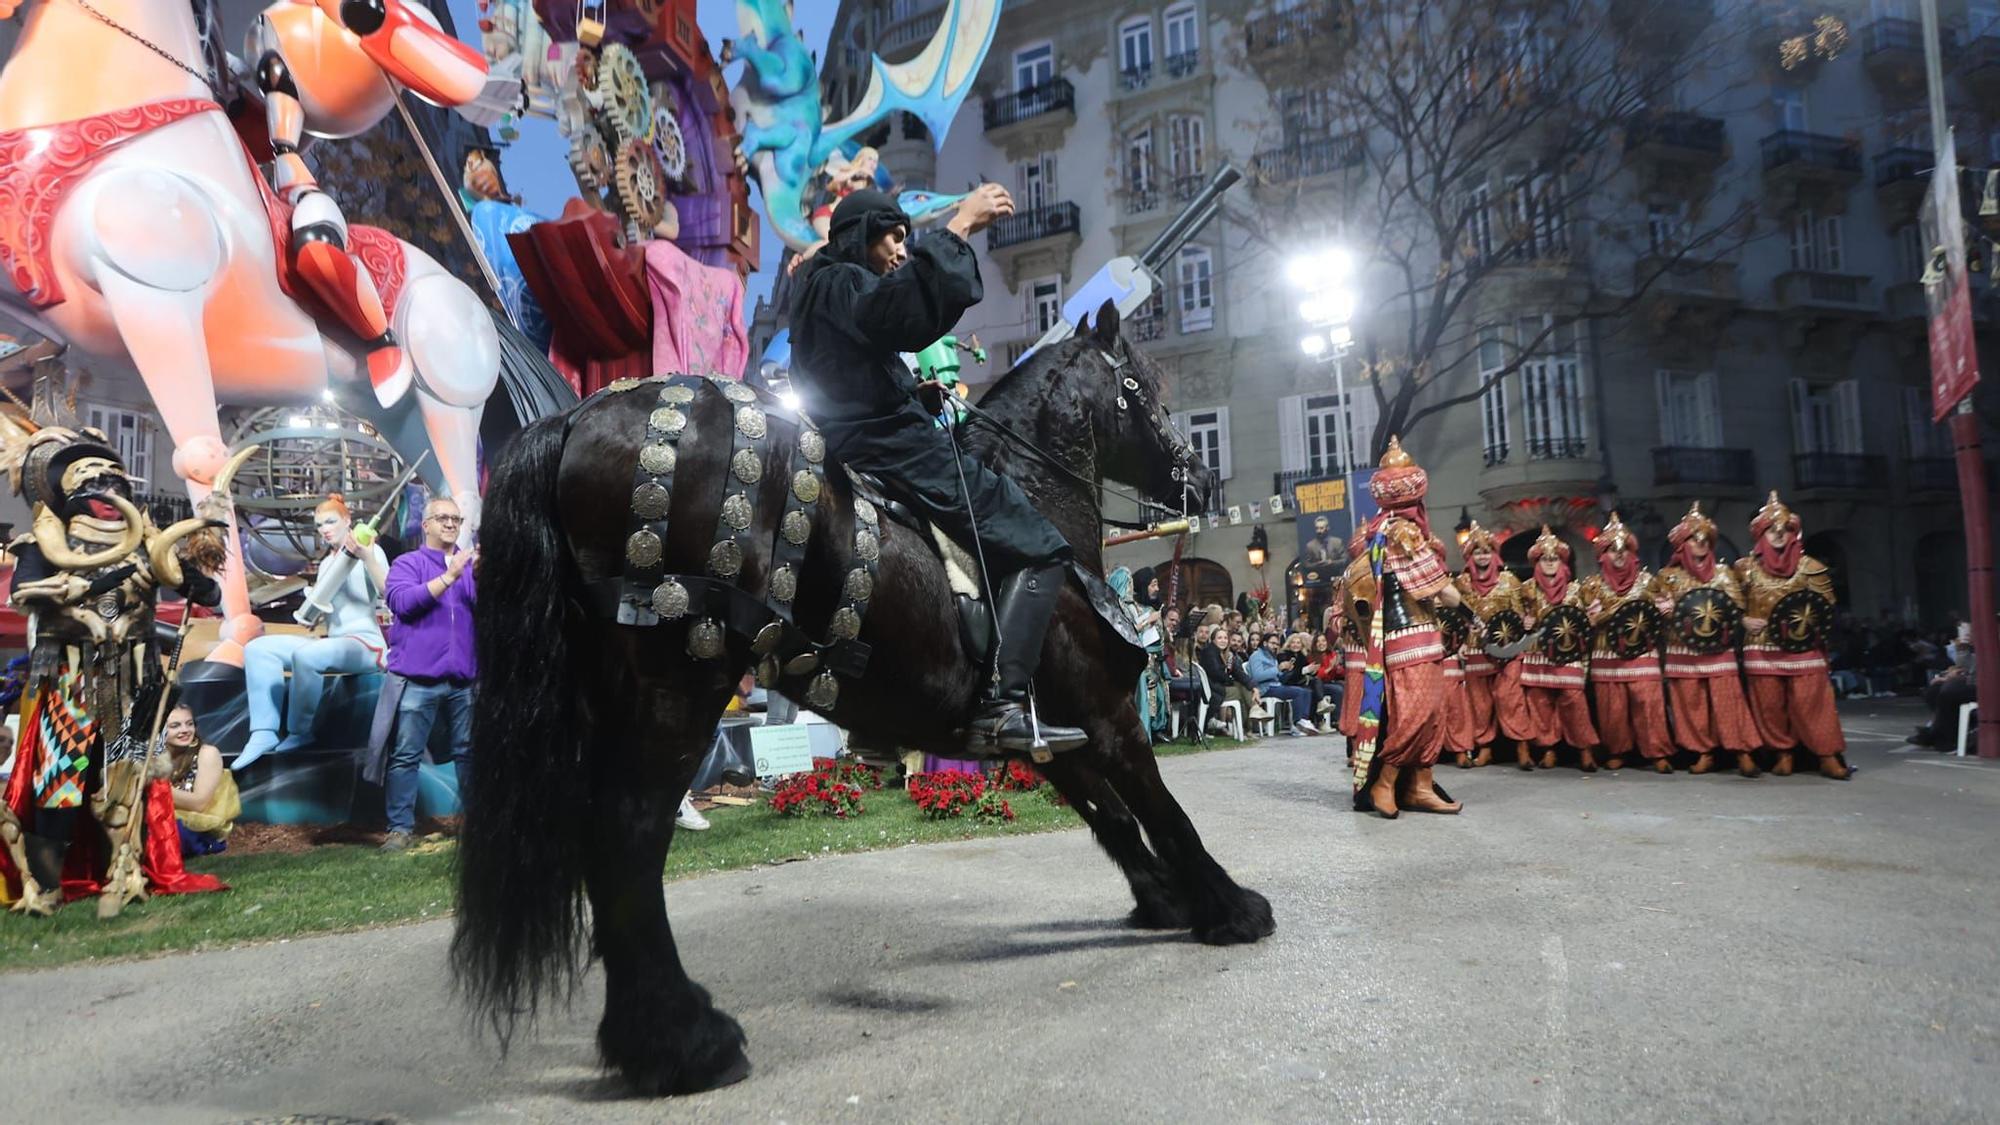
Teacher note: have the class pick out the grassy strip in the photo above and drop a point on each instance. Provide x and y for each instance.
(341, 888)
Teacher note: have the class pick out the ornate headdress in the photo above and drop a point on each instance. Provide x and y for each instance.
(1773, 512)
(1548, 543)
(1615, 537)
(1477, 537)
(1399, 482)
(1693, 525)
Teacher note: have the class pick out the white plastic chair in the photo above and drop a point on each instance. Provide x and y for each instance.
(1965, 713)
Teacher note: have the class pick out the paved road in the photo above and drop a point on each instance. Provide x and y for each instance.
(1628, 948)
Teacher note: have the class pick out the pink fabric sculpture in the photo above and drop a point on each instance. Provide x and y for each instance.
(697, 315)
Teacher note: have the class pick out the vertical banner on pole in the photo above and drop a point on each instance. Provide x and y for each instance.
(1954, 357)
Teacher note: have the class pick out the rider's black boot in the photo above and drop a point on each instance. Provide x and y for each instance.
(1003, 723)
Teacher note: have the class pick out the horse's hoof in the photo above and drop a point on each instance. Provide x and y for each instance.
(1249, 921)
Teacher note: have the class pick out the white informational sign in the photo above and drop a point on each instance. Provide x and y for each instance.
(782, 750)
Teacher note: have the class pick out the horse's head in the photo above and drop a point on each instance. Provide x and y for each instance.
(405, 42)
(1137, 443)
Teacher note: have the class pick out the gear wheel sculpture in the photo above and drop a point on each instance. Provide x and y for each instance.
(669, 143)
(590, 160)
(642, 184)
(628, 100)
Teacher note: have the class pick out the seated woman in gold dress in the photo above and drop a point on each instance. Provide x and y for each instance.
(205, 799)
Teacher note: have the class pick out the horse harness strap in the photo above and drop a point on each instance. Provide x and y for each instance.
(715, 603)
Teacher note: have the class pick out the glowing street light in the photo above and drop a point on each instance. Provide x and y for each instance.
(1313, 345)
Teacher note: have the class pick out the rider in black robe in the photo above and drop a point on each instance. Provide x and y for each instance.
(867, 296)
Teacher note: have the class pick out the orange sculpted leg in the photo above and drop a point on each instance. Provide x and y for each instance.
(339, 283)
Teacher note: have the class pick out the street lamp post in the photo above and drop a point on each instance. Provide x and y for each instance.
(1328, 310)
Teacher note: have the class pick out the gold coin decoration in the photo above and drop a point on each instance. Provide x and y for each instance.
(705, 640)
(670, 600)
(824, 692)
(784, 584)
(767, 673)
(650, 500)
(768, 639)
(620, 386)
(658, 458)
(812, 445)
(802, 664)
(748, 466)
(643, 549)
(751, 421)
(725, 559)
(668, 421)
(805, 485)
(866, 546)
(846, 624)
(860, 587)
(797, 528)
(736, 511)
(865, 512)
(678, 396)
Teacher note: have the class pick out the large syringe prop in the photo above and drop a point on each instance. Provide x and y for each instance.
(333, 573)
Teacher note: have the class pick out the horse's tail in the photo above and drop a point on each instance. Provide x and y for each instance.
(521, 850)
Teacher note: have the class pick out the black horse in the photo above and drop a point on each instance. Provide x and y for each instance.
(588, 731)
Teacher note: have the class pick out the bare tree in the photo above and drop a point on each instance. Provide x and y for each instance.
(1485, 143)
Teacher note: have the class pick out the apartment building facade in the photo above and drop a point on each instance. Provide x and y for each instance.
(1795, 361)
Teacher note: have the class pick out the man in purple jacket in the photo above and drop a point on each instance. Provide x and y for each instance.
(431, 592)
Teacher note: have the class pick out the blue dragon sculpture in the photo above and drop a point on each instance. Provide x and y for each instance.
(786, 141)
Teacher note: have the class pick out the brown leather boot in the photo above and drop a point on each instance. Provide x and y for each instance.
(1835, 766)
(1483, 758)
(1464, 759)
(1661, 765)
(1784, 766)
(1548, 761)
(1589, 761)
(1614, 763)
(1422, 796)
(1382, 794)
(1746, 764)
(1522, 758)
(1704, 763)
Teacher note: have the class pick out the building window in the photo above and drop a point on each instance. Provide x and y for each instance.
(1479, 221)
(1135, 52)
(1690, 409)
(1037, 178)
(1151, 321)
(1910, 256)
(1045, 303)
(1789, 105)
(1493, 400)
(1529, 48)
(1539, 218)
(1034, 67)
(1183, 39)
(1816, 242)
(1197, 285)
(1322, 435)
(1826, 418)
(1551, 388)
(1139, 170)
(131, 437)
(1925, 437)
(1667, 228)
(1305, 115)
(1207, 433)
(1187, 139)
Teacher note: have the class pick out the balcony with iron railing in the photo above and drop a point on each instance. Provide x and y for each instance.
(1144, 327)
(910, 31)
(1183, 64)
(1683, 465)
(1050, 221)
(1142, 198)
(1185, 188)
(1931, 474)
(1901, 177)
(1297, 28)
(1557, 448)
(1795, 161)
(1687, 135)
(1686, 280)
(1135, 78)
(1022, 107)
(1850, 472)
(1813, 291)
(1304, 159)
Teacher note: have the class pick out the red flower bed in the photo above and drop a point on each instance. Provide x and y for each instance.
(826, 791)
(946, 794)
(1017, 777)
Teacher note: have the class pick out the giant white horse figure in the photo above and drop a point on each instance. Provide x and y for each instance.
(134, 224)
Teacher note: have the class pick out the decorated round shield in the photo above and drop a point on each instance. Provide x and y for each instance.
(1799, 622)
(1566, 635)
(1634, 630)
(1706, 621)
(1350, 631)
(1504, 634)
(1457, 623)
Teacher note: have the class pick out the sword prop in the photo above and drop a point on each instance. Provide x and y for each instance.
(333, 575)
